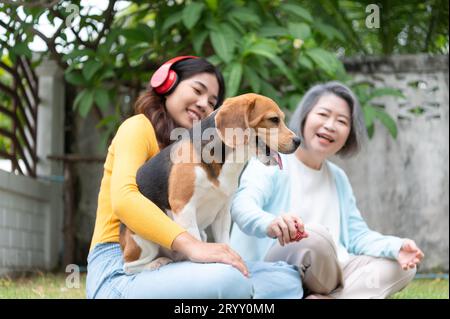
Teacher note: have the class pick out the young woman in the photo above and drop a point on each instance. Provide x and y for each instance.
(340, 257)
(213, 270)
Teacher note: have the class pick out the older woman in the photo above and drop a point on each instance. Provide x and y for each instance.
(337, 255)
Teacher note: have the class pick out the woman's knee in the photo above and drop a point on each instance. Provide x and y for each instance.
(322, 271)
(395, 273)
(193, 281)
(221, 281)
(320, 243)
(315, 257)
(277, 280)
(388, 277)
(320, 234)
(229, 283)
(317, 251)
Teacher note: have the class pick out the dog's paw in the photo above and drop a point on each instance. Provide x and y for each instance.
(130, 270)
(158, 263)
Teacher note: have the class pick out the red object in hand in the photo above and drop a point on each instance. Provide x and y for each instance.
(299, 234)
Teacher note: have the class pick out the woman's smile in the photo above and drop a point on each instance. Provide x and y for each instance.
(195, 116)
(325, 139)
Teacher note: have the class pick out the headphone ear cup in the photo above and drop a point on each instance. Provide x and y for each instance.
(164, 79)
(173, 81)
(168, 84)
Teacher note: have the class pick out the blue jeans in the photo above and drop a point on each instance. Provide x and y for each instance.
(188, 280)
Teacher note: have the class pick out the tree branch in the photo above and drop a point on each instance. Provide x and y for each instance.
(81, 41)
(51, 45)
(57, 32)
(49, 42)
(7, 27)
(109, 17)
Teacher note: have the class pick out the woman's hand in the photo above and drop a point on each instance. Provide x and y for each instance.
(287, 228)
(199, 251)
(410, 255)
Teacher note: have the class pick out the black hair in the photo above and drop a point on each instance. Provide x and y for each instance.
(190, 67)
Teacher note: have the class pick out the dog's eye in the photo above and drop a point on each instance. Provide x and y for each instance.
(274, 120)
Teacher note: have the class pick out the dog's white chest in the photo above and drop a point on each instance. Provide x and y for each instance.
(209, 198)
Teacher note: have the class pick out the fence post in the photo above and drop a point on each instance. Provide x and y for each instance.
(50, 140)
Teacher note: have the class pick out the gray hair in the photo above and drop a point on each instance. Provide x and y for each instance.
(358, 132)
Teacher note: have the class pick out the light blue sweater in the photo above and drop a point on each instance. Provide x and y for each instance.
(264, 193)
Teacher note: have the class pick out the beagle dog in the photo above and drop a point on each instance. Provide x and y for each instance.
(195, 192)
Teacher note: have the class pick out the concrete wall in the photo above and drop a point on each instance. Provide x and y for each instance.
(26, 217)
(402, 185)
(31, 210)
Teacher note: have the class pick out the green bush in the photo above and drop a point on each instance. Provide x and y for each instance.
(274, 48)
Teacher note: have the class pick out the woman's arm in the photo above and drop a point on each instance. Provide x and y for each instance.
(255, 191)
(362, 240)
(134, 143)
(367, 242)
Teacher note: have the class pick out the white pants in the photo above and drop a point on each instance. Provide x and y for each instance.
(362, 277)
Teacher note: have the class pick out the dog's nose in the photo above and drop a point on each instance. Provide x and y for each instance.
(296, 141)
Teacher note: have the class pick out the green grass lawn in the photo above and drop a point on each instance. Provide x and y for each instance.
(424, 289)
(41, 286)
(54, 286)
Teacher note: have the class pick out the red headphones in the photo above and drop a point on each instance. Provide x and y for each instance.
(164, 78)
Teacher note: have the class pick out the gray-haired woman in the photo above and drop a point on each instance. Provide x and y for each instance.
(310, 206)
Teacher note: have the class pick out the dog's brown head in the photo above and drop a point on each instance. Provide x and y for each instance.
(263, 119)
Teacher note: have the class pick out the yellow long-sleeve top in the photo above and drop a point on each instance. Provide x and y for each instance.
(119, 198)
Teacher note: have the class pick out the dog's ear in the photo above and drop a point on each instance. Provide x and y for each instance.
(234, 114)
